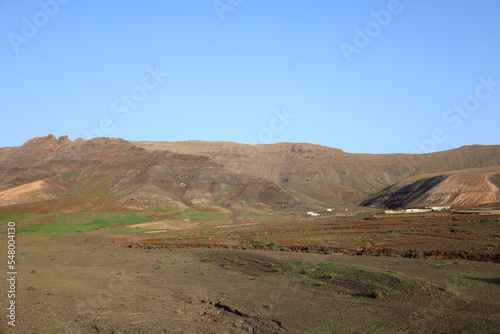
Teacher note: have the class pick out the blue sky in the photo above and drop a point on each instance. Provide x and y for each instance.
(364, 76)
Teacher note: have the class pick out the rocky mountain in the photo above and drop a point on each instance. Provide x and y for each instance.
(105, 174)
(327, 174)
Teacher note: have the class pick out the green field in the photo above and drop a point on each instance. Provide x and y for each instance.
(76, 223)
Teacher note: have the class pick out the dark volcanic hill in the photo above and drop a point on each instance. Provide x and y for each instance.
(48, 174)
(328, 174)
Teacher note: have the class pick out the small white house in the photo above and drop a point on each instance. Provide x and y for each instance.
(329, 210)
(313, 214)
(417, 210)
(388, 212)
(439, 208)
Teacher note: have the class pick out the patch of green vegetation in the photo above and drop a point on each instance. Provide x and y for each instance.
(83, 223)
(209, 256)
(364, 282)
(11, 217)
(471, 278)
(68, 175)
(377, 329)
(243, 245)
(483, 228)
(5, 219)
(183, 238)
(44, 227)
(259, 244)
(481, 222)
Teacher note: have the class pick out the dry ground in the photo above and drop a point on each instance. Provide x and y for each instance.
(434, 235)
(92, 286)
(181, 280)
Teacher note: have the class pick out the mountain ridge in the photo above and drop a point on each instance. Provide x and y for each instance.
(330, 174)
(113, 174)
(104, 173)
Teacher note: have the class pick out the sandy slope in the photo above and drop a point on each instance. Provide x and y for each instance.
(469, 187)
(31, 192)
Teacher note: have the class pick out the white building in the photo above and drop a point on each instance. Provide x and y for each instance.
(439, 208)
(417, 210)
(388, 212)
(313, 214)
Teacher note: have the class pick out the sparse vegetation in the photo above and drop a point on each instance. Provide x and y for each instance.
(209, 256)
(98, 328)
(377, 294)
(362, 281)
(82, 223)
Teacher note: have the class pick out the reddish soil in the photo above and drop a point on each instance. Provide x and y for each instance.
(471, 237)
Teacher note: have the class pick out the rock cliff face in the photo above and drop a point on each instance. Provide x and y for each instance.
(328, 174)
(49, 173)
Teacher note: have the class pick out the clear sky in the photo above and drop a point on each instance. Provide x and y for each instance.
(364, 76)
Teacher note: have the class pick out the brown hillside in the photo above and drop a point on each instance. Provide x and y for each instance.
(103, 174)
(328, 174)
(470, 187)
(106, 174)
